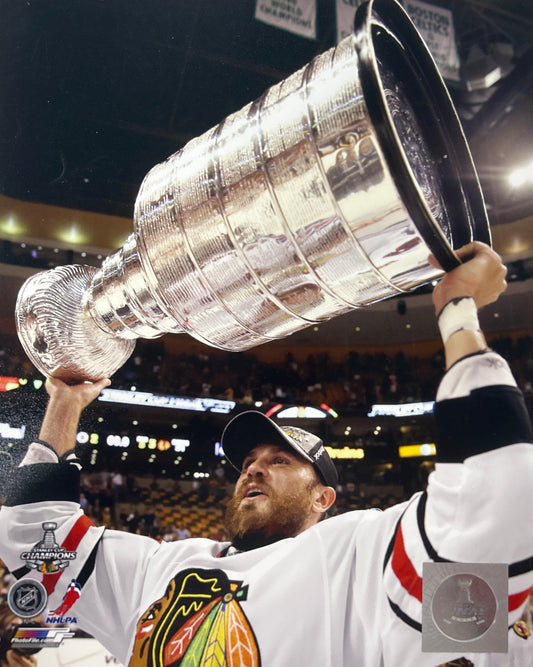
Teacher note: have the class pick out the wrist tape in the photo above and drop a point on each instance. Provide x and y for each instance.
(41, 452)
(458, 315)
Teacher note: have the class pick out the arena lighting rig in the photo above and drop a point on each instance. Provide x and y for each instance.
(402, 409)
(283, 411)
(148, 399)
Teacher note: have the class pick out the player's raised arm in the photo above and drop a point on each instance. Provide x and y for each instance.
(43, 499)
(484, 454)
(482, 422)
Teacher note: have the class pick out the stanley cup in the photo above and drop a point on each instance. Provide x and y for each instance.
(326, 194)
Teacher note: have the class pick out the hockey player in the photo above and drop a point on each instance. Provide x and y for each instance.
(291, 589)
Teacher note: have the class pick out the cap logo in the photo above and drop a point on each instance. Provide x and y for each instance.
(294, 433)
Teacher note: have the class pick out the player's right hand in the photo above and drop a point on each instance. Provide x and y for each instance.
(81, 394)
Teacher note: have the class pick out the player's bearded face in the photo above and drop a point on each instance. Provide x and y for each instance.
(272, 500)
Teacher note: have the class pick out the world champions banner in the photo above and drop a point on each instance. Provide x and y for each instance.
(298, 16)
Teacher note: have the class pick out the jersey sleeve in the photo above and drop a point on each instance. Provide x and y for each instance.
(476, 506)
(45, 536)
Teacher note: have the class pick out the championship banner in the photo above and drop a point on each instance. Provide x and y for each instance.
(435, 25)
(298, 16)
(345, 11)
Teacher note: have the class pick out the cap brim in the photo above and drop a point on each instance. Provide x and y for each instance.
(249, 429)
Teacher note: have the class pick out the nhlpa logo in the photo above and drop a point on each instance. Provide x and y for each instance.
(70, 597)
(47, 556)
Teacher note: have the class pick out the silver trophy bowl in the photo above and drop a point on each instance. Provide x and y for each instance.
(326, 194)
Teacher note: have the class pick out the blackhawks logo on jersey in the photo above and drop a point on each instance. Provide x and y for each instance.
(198, 622)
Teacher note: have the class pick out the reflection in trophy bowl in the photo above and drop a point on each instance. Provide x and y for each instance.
(326, 194)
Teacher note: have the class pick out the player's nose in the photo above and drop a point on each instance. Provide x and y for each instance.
(256, 467)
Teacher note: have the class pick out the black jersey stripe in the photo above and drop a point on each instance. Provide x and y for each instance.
(430, 549)
(404, 617)
(515, 569)
(39, 482)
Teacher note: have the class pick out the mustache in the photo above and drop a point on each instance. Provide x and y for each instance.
(259, 485)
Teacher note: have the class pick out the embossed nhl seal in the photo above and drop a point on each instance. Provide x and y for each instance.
(27, 598)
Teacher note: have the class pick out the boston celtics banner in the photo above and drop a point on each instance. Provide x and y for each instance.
(298, 16)
(434, 23)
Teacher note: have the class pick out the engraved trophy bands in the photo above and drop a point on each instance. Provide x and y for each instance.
(324, 195)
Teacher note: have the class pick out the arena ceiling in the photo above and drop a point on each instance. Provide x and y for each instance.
(94, 93)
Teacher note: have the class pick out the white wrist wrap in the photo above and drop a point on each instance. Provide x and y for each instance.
(458, 315)
(39, 452)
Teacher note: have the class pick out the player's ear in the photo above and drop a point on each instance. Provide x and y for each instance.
(324, 499)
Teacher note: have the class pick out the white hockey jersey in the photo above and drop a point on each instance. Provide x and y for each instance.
(346, 593)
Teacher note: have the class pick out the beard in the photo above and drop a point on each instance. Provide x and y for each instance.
(250, 526)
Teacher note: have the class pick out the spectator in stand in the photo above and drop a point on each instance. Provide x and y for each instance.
(117, 483)
(170, 534)
(183, 533)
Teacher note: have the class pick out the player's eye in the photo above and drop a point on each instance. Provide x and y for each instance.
(246, 464)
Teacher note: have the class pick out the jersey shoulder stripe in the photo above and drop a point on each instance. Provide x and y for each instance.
(410, 547)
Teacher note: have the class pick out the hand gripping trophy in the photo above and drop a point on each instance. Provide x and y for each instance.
(324, 195)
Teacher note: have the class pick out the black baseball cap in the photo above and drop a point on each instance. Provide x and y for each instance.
(252, 428)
